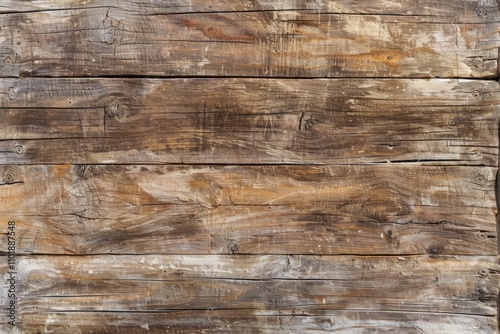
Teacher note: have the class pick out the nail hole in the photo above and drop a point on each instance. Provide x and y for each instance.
(481, 12)
(9, 178)
(475, 324)
(480, 179)
(477, 95)
(19, 149)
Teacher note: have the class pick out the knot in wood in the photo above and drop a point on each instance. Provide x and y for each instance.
(12, 94)
(233, 247)
(434, 248)
(293, 262)
(328, 323)
(114, 110)
(306, 122)
(483, 272)
(482, 235)
(478, 62)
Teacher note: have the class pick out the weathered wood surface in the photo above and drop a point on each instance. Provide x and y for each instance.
(248, 121)
(216, 322)
(253, 166)
(453, 10)
(257, 291)
(250, 38)
(386, 209)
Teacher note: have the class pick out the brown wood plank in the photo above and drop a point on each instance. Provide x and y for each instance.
(384, 209)
(248, 121)
(259, 285)
(243, 38)
(245, 322)
(453, 10)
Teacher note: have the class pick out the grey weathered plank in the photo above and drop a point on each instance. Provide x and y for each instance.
(260, 285)
(243, 38)
(248, 121)
(246, 322)
(384, 209)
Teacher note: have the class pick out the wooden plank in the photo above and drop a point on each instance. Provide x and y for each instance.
(216, 322)
(384, 209)
(453, 10)
(260, 286)
(248, 121)
(245, 38)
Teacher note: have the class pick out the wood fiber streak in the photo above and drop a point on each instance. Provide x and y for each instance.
(252, 38)
(251, 210)
(248, 121)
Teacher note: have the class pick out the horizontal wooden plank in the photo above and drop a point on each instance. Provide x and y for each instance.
(244, 38)
(453, 10)
(245, 322)
(378, 209)
(264, 284)
(248, 121)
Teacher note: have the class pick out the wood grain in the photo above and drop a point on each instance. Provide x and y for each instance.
(251, 38)
(248, 121)
(258, 289)
(251, 210)
(250, 166)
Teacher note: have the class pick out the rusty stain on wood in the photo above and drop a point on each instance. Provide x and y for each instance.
(288, 166)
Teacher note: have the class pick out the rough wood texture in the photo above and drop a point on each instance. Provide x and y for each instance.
(249, 166)
(261, 210)
(216, 322)
(249, 121)
(260, 291)
(452, 10)
(251, 38)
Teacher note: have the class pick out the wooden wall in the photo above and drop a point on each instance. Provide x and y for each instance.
(249, 166)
